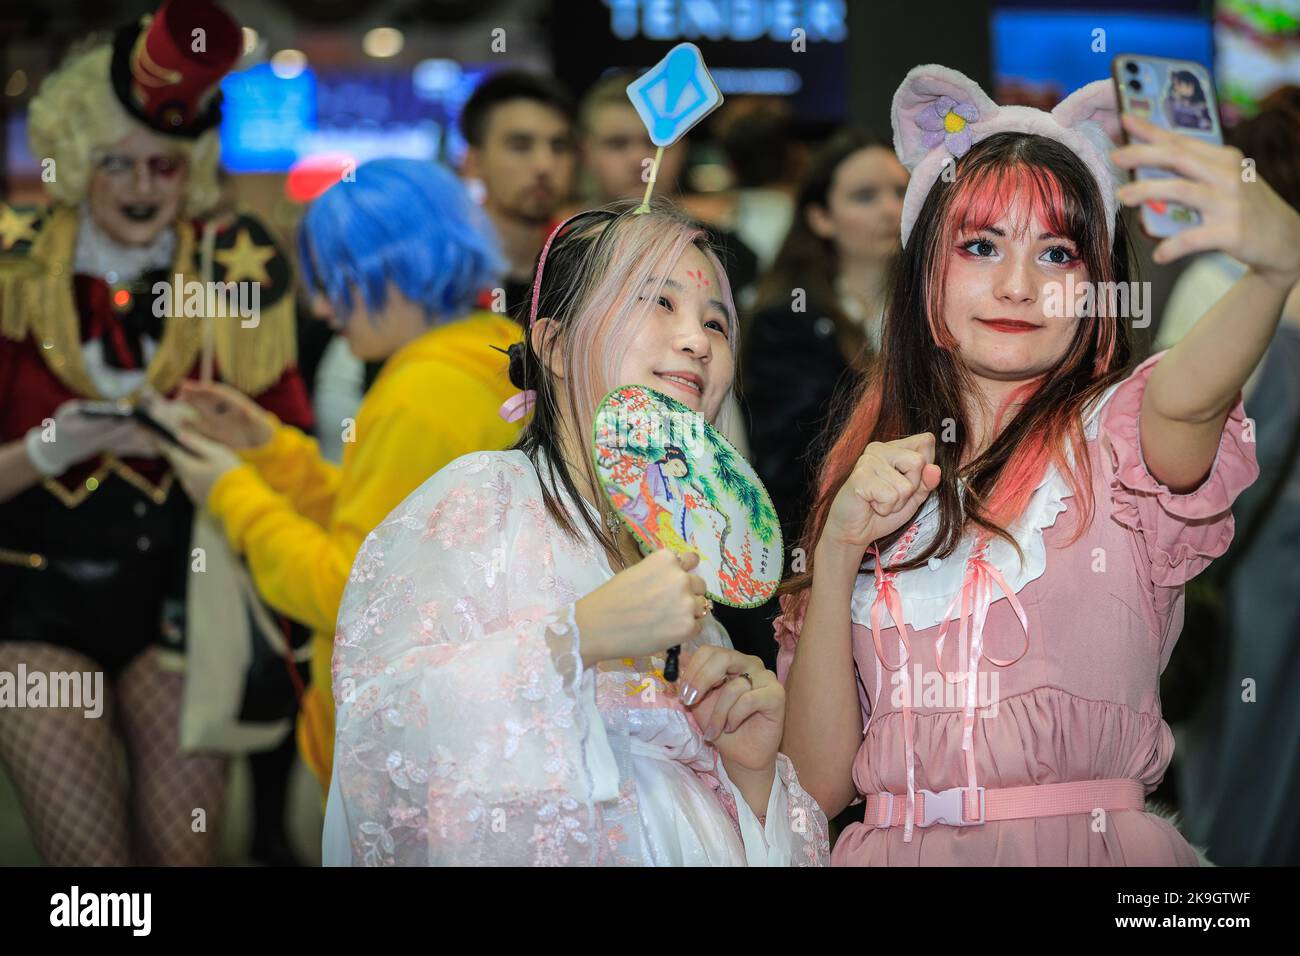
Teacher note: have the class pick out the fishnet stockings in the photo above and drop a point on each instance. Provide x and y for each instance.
(66, 769)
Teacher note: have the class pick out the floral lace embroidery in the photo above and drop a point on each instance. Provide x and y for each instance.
(468, 731)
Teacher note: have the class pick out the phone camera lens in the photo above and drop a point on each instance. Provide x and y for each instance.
(1134, 85)
(1131, 67)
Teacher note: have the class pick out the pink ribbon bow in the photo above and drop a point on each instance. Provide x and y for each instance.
(976, 595)
(973, 599)
(518, 405)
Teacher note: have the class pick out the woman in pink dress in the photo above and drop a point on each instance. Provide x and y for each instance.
(1005, 524)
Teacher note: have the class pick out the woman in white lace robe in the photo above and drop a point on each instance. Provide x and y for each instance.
(498, 662)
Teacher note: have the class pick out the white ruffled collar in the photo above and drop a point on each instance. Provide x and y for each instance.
(927, 592)
(97, 254)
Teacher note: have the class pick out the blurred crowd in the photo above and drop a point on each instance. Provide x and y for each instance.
(403, 287)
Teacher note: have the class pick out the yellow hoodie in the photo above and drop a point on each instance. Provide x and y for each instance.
(300, 519)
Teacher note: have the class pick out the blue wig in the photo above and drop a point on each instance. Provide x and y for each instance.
(407, 221)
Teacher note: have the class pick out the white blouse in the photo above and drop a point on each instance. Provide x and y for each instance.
(468, 731)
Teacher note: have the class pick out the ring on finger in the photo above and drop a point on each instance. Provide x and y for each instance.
(748, 678)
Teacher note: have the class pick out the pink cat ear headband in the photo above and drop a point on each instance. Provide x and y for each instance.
(938, 114)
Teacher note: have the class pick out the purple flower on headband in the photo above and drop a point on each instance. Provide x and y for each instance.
(945, 121)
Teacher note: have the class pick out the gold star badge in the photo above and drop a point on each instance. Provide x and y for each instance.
(15, 226)
(246, 260)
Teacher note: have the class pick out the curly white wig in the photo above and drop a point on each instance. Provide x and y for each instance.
(76, 114)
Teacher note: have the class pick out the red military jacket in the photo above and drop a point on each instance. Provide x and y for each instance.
(96, 560)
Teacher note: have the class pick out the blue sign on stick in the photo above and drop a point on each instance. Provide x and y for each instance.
(674, 94)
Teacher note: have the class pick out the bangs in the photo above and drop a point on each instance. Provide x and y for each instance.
(605, 276)
(1020, 192)
(637, 257)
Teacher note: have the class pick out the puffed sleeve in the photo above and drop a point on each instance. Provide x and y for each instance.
(1182, 533)
(467, 732)
(786, 627)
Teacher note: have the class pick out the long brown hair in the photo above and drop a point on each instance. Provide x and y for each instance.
(808, 261)
(920, 382)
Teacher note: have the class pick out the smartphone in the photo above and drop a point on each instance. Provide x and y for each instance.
(118, 410)
(122, 411)
(155, 426)
(1177, 95)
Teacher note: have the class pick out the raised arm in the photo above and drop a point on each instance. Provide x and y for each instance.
(1195, 385)
(823, 724)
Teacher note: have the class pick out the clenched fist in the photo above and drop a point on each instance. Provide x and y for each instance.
(888, 484)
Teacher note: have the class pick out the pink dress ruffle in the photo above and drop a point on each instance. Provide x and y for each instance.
(1083, 702)
(1182, 533)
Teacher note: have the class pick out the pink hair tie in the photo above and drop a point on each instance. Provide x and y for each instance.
(518, 405)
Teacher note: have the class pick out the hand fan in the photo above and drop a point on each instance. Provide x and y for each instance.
(677, 483)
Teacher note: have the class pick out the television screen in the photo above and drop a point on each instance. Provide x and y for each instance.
(272, 121)
(1042, 55)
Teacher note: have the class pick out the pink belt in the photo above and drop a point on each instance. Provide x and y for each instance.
(1006, 803)
(971, 603)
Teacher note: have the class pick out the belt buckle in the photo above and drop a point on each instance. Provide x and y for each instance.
(945, 806)
(888, 807)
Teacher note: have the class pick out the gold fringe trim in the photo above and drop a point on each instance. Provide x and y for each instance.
(39, 302)
(36, 299)
(254, 359)
(14, 319)
(182, 336)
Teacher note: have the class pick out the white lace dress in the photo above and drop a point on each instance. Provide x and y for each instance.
(468, 732)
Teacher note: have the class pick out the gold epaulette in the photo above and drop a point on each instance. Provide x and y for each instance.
(21, 272)
(37, 299)
(252, 356)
